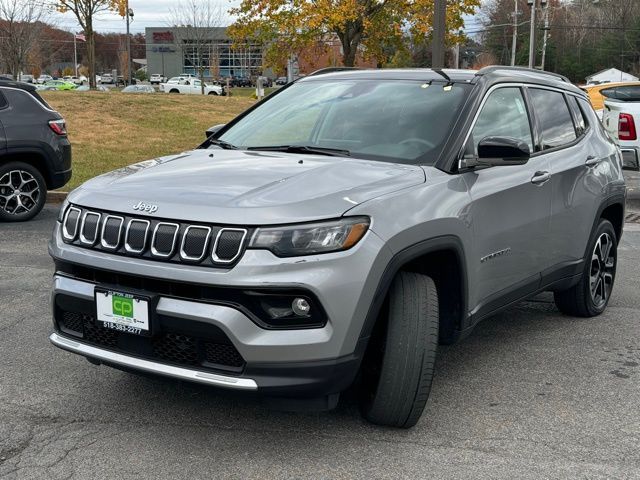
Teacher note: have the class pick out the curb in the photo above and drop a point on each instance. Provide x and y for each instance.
(56, 197)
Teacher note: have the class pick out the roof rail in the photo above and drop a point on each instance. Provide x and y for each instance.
(493, 68)
(322, 71)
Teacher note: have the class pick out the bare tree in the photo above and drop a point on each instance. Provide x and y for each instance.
(195, 22)
(85, 11)
(21, 22)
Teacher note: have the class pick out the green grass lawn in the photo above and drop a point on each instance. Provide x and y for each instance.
(109, 130)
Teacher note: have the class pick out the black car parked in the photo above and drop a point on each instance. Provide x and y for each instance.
(35, 154)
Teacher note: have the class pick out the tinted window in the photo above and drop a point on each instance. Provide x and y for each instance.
(3, 101)
(504, 114)
(629, 93)
(388, 120)
(37, 96)
(578, 114)
(553, 116)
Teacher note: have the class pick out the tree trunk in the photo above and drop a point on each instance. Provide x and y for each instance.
(91, 54)
(349, 55)
(350, 40)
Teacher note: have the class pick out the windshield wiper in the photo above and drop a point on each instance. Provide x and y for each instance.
(221, 144)
(333, 152)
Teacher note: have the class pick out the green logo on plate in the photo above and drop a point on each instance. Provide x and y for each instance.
(122, 306)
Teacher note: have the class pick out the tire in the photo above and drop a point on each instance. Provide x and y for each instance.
(399, 366)
(600, 268)
(23, 192)
(213, 93)
(174, 91)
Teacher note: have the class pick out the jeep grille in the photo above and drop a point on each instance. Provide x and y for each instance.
(162, 240)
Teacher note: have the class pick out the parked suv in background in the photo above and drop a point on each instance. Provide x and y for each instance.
(156, 79)
(35, 154)
(339, 230)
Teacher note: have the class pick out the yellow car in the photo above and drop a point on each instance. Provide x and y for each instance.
(596, 98)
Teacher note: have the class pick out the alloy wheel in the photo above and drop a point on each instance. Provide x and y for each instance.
(19, 192)
(603, 265)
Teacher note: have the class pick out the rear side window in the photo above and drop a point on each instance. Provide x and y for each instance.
(551, 110)
(42, 101)
(578, 114)
(3, 101)
(627, 93)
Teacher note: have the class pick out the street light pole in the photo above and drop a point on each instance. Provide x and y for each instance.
(439, 27)
(532, 34)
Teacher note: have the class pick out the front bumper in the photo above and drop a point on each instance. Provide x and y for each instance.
(128, 361)
(294, 362)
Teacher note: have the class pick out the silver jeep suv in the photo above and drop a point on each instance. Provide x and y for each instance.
(335, 233)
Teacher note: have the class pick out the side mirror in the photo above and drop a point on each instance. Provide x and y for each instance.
(630, 160)
(500, 151)
(213, 130)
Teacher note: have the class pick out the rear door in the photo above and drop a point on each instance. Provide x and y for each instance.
(568, 138)
(510, 207)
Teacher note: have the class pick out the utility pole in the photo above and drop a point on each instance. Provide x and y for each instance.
(439, 27)
(514, 40)
(128, 14)
(532, 34)
(545, 5)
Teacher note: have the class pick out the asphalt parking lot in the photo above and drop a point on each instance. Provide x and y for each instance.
(530, 394)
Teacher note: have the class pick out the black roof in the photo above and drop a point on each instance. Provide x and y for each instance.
(21, 85)
(495, 74)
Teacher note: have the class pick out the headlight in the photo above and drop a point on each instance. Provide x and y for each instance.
(310, 238)
(63, 208)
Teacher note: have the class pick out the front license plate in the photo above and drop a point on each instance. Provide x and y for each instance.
(123, 312)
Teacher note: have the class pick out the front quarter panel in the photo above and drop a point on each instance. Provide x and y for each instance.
(439, 208)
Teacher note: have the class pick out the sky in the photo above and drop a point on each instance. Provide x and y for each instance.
(156, 13)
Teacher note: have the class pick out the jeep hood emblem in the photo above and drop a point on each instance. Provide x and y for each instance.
(145, 207)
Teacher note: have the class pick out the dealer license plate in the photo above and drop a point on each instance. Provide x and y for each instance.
(123, 312)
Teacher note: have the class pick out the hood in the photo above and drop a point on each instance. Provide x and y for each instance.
(245, 187)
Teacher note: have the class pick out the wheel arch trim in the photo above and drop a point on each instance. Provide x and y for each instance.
(404, 257)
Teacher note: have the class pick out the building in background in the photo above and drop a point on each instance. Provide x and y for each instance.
(610, 75)
(169, 53)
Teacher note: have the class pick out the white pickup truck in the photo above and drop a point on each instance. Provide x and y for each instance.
(621, 119)
(190, 85)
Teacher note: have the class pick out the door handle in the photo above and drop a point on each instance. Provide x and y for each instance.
(592, 161)
(540, 177)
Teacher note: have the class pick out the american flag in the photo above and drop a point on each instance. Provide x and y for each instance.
(81, 37)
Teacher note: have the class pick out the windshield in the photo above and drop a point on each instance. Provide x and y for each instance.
(390, 120)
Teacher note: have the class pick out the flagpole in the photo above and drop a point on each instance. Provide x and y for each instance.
(75, 55)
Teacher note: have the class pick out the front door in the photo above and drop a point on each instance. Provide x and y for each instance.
(510, 208)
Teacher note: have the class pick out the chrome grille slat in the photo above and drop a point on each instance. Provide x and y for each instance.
(65, 224)
(105, 223)
(127, 245)
(183, 254)
(214, 250)
(83, 238)
(156, 252)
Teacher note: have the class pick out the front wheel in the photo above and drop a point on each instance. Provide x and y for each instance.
(590, 296)
(23, 192)
(213, 93)
(399, 366)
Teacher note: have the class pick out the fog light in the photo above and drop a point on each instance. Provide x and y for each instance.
(300, 307)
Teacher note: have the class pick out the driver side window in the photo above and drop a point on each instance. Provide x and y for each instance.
(504, 114)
